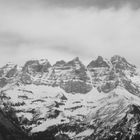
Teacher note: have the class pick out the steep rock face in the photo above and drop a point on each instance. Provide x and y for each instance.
(116, 72)
(59, 64)
(68, 76)
(120, 63)
(113, 116)
(9, 130)
(101, 74)
(8, 74)
(37, 98)
(9, 70)
(98, 63)
(72, 76)
(128, 127)
(76, 63)
(36, 66)
(111, 111)
(3, 82)
(34, 70)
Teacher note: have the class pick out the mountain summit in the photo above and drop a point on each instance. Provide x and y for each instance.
(99, 62)
(70, 101)
(72, 76)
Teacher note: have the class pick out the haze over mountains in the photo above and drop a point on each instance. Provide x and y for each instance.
(70, 101)
(68, 28)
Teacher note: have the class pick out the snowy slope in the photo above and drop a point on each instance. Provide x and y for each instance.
(48, 105)
(39, 108)
(100, 101)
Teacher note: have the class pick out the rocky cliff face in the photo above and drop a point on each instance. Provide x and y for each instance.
(109, 74)
(9, 128)
(73, 76)
(70, 101)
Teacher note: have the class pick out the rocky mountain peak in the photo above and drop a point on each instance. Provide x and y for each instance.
(43, 61)
(76, 59)
(73, 76)
(121, 63)
(99, 62)
(8, 66)
(60, 63)
(76, 63)
(8, 70)
(36, 66)
(69, 101)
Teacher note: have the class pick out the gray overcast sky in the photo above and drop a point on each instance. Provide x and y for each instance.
(63, 29)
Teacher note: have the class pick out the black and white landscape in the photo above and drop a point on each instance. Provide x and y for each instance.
(70, 101)
(69, 69)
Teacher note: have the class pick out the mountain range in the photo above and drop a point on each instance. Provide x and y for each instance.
(70, 101)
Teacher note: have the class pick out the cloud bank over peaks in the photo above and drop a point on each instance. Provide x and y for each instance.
(34, 29)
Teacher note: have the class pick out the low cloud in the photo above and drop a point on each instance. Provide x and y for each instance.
(100, 4)
(63, 33)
